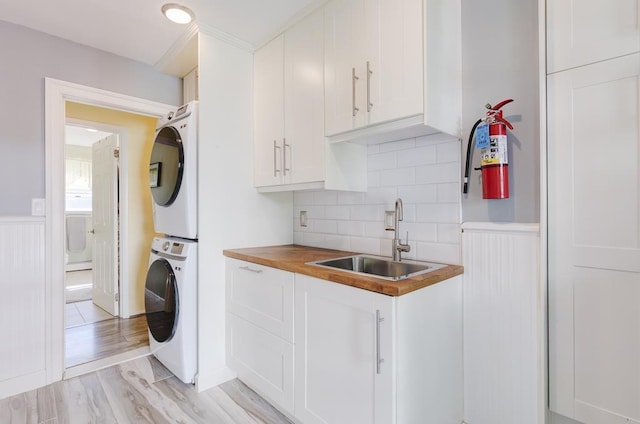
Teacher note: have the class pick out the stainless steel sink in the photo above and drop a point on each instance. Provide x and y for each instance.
(379, 267)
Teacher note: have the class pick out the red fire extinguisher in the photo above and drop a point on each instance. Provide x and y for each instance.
(491, 139)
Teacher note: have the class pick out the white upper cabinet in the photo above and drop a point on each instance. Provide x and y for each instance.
(588, 31)
(304, 101)
(268, 98)
(291, 151)
(378, 66)
(289, 112)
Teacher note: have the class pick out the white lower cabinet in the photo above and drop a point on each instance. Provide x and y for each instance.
(359, 357)
(260, 329)
(364, 357)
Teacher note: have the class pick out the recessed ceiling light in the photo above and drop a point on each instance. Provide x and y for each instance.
(177, 13)
(92, 130)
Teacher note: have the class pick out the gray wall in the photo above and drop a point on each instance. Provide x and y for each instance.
(499, 61)
(27, 57)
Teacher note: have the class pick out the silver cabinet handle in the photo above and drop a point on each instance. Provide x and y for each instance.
(354, 78)
(284, 156)
(379, 360)
(369, 73)
(275, 159)
(246, 268)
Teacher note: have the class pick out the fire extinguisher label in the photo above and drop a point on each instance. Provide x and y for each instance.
(496, 152)
(482, 136)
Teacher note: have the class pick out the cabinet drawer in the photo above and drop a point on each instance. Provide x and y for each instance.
(261, 360)
(261, 295)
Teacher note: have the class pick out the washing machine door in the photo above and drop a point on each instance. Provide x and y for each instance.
(161, 300)
(166, 166)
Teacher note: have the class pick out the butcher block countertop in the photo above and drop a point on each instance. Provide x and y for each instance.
(293, 258)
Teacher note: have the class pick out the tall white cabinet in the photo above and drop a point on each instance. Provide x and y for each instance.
(288, 109)
(594, 210)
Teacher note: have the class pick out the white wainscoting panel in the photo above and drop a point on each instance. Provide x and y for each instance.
(504, 319)
(22, 304)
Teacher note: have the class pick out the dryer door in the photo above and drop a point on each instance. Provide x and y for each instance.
(166, 166)
(161, 300)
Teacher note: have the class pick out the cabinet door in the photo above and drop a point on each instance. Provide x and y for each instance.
(261, 360)
(344, 62)
(268, 97)
(395, 57)
(594, 241)
(261, 295)
(587, 31)
(304, 100)
(336, 358)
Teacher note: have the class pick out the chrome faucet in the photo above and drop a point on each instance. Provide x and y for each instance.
(398, 246)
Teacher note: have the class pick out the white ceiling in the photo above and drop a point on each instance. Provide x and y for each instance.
(136, 29)
(81, 136)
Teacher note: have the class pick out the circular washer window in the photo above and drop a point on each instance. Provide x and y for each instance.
(161, 300)
(166, 166)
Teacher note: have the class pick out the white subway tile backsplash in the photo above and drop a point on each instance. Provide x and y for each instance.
(397, 177)
(376, 229)
(324, 226)
(395, 146)
(419, 231)
(418, 156)
(448, 152)
(303, 198)
(337, 242)
(351, 228)
(438, 173)
(337, 212)
(439, 138)
(426, 193)
(314, 240)
(367, 212)
(445, 213)
(327, 197)
(439, 252)
(449, 233)
(381, 195)
(366, 245)
(350, 198)
(381, 161)
(424, 172)
(448, 192)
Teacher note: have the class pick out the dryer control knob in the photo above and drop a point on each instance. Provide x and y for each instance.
(166, 245)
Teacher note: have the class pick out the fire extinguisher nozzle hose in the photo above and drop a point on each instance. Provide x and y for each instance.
(465, 188)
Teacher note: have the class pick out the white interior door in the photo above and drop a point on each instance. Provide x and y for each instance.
(105, 218)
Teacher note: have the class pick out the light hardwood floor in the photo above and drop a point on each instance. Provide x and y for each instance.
(137, 391)
(90, 342)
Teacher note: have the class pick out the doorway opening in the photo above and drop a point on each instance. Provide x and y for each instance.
(104, 151)
(57, 94)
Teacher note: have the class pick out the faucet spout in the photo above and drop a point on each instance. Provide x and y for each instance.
(397, 245)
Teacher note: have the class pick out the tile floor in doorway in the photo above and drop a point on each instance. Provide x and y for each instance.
(80, 313)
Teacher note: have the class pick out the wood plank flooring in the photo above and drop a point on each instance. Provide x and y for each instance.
(138, 391)
(90, 342)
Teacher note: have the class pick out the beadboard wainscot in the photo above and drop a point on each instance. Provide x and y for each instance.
(504, 323)
(22, 304)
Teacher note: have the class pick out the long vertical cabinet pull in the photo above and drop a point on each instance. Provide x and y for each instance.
(284, 156)
(379, 360)
(369, 73)
(275, 159)
(354, 78)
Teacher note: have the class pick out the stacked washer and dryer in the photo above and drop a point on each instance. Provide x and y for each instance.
(171, 284)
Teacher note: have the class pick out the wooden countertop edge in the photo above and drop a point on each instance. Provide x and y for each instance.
(287, 258)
